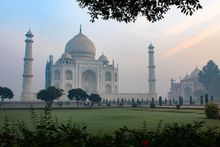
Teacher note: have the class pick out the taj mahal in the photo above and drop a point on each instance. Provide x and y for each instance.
(78, 68)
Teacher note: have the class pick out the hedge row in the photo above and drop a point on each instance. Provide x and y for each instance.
(48, 132)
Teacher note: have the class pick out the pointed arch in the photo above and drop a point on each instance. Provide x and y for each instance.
(89, 81)
(108, 89)
(108, 76)
(69, 75)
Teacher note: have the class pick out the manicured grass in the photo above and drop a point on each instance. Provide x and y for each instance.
(101, 121)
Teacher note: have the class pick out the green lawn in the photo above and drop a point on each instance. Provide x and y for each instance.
(100, 121)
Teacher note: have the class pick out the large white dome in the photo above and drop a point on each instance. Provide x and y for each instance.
(81, 47)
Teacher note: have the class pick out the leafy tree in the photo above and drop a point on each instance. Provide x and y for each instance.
(206, 99)
(129, 10)
(49, 95)
(190, 100)
(94, 98)
(208, 73)
(152, 104)
(78, 95)
(138, 102)
(180, 100)
(122, 102)
(212, 110)
(5, 93)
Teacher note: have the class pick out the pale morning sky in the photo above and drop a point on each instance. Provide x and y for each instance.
(181, 42)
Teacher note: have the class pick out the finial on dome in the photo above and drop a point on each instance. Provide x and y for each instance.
(151, 47)
(29, 34)
(80, 28)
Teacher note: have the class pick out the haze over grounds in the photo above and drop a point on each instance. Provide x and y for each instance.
(181, 42)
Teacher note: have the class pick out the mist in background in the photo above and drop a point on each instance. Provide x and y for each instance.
(181, 42)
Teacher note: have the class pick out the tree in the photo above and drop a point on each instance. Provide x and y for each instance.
(94, 98)
(160, 101)
(152, 104)
(49, 95)
(208, 73)
(206, 99)
(180, 100)
(212, 110)
(77, 94)
(5, 93)
(190, 100)
(129, 10)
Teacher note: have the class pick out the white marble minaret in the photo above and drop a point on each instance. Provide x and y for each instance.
(27, 93)
(151, 74)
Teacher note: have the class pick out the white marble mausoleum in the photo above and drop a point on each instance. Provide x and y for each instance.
(78, 68)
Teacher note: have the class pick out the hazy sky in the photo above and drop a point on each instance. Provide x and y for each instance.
(181, 42)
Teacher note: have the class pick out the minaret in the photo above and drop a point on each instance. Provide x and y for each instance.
(27, 93)
(151, 74)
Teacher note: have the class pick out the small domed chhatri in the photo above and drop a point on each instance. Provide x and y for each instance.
(195, 73)
(103, 58)
(66, 56)
(81, 47)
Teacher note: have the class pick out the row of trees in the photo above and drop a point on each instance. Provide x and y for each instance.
(52, 93)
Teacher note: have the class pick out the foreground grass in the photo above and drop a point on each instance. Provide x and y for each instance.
(101, 121)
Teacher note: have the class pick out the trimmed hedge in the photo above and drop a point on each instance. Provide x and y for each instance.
(49, 133)
(212, 110)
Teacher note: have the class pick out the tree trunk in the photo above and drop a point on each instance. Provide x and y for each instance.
(91, 104)
(49, 105)
(77, 102)
(1, 102)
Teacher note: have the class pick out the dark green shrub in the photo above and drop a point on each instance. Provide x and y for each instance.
(181, 135)
(49, 133)
(134, 105)
(178, 106)
(7, 134)
(190, 100)
(121, 104)
(160, 101)
(206, 99)
(152, 105)
(212, 110)
(180, 101)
